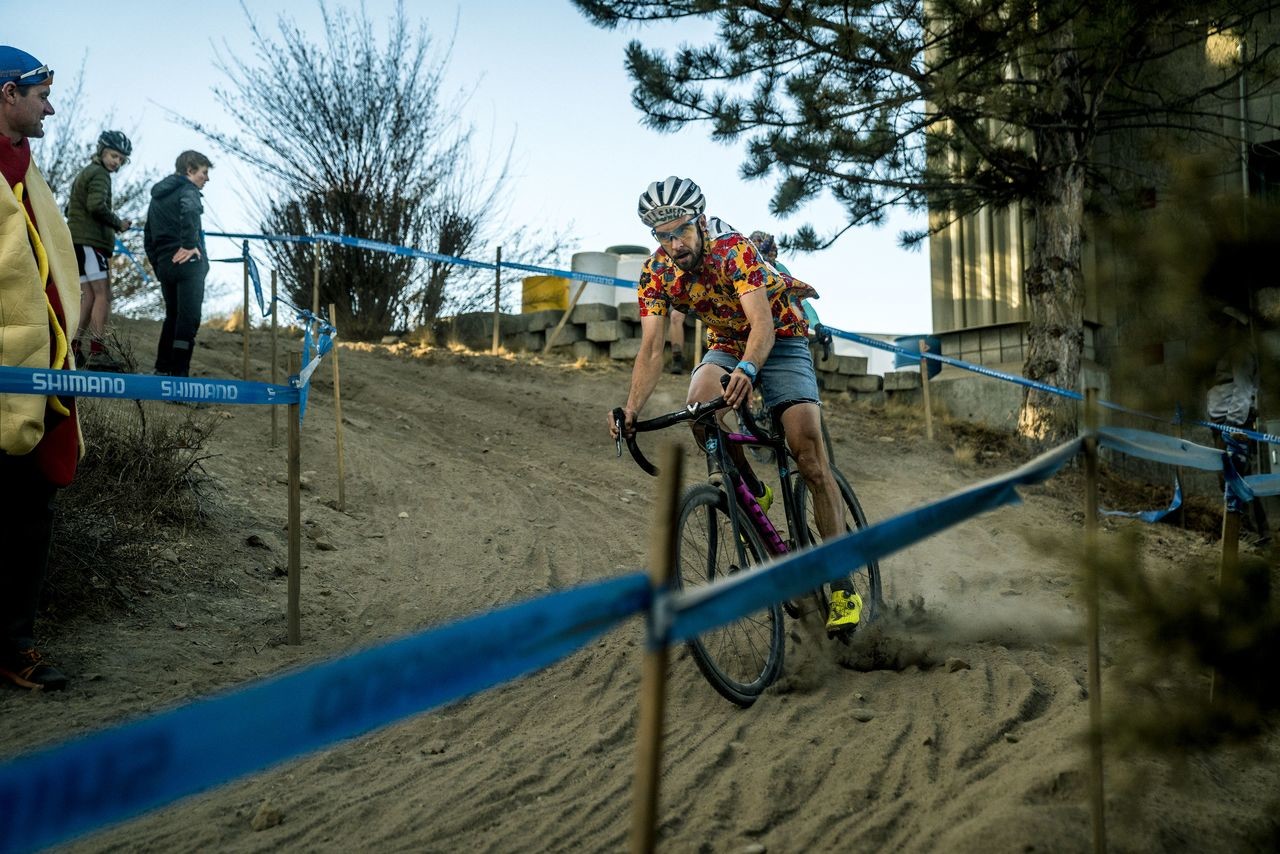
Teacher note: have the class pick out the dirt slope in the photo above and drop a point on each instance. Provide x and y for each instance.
(511, 489)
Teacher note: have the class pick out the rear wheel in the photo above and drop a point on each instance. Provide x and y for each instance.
(739, 659)
(864, 580)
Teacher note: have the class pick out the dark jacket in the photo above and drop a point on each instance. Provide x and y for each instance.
(89, 215)
(173, 219)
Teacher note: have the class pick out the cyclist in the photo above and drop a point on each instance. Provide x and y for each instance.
(756, 332)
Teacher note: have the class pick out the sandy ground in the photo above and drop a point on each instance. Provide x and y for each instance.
(511, 489)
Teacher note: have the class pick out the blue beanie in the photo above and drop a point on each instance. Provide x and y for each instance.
(17, 66)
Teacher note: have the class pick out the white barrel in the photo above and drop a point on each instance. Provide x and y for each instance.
(629, 267)
(602, 264)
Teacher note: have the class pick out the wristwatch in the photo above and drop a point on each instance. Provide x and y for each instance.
(748, 368)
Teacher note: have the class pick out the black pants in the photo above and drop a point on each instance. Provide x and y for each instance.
(182, 286)
(26, 531)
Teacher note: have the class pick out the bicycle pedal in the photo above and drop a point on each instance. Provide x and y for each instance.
(845, 636)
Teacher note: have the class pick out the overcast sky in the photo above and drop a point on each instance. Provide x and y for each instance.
(539, 75)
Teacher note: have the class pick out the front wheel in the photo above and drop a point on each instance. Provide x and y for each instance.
(864, 580)
(742, 658)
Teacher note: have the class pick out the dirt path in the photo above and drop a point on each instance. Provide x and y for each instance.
(511, 489)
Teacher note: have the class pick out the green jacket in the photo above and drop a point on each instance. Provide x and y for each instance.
(89, 214)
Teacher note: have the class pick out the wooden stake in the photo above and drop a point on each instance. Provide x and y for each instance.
(497, 302)
(244, 316)
(555, 333)
(315, 279)
(924, 384)
(1228, 584)
(275, 363)
(337, 411)
(1177, 473)
(293, 617)
(653, 684)
(1097, 802)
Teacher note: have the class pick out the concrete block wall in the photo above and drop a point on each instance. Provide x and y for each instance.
(597, 331)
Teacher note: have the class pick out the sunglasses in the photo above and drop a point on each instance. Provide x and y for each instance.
(42, 72)
(683, 232)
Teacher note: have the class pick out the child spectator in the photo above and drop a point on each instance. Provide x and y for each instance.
(93, 225)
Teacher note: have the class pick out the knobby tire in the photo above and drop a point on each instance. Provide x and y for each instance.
(742, 658)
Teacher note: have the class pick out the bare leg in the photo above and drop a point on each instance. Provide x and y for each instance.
(802, 424)
(703, 386)
(87, 298)
(100, 309)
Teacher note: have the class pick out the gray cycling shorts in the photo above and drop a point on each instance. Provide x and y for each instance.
(786, 377)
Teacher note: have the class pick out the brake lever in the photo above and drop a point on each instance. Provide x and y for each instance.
(619, 420)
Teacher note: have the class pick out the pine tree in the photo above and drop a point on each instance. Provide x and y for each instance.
(952, 105)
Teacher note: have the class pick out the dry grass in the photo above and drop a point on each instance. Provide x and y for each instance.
(141, 472)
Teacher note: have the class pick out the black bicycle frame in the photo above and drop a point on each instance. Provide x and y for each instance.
(716, 441)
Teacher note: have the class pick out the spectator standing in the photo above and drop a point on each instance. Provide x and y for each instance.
(94, 224)
(1232, 401)
(39, 304)
(175, 247)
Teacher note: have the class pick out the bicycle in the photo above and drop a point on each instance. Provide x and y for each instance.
(718, 537)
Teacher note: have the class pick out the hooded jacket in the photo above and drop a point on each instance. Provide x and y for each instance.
(89, 212)
(173, 219)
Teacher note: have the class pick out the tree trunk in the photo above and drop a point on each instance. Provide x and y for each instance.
(1055, 296)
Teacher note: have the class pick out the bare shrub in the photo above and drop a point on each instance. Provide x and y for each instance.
(141, 471)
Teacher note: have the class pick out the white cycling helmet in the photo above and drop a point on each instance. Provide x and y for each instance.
(670, 199)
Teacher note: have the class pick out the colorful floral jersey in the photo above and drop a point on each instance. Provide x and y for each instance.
(731, 267)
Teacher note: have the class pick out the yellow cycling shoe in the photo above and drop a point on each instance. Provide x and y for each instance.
(766, 500)
(845, 611)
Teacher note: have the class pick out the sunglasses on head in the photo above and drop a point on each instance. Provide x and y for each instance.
(42, 72)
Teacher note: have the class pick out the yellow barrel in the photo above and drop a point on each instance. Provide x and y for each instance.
(545, 292)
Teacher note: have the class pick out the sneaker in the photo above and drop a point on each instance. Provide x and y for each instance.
(844, 612)
(677, 362)
(25, 669)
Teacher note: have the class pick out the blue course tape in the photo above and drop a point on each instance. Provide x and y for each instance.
(378, 246)
(391, 248)
(273, 238)
(947, 360)
(54, 794)
(256, 279)
(1263, 484)
(142, 387)
(1160, 448)
(1151, 516)
(408, 252)
(703, 608)
(1227, 429)
(570, 274)
(989, 372)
